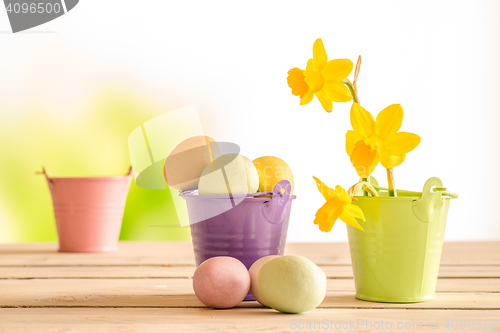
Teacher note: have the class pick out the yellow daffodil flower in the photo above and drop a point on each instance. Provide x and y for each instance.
(321, 78)
(338, 204)
(376, 141)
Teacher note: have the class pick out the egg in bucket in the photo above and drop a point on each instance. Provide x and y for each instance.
(228, 215)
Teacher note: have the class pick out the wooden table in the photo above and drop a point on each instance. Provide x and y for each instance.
(146, 287)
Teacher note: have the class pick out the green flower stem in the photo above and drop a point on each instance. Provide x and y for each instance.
(365, 180)
(390, 180)
(351, 89)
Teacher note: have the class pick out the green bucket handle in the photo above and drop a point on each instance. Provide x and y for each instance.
(429, 205)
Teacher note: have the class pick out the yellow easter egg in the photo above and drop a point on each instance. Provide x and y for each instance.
(271, 171)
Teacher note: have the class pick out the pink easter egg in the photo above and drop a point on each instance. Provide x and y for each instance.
(221, 282)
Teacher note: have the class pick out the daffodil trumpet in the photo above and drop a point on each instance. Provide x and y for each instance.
(338, 205)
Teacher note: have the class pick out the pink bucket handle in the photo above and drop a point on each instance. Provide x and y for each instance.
(51, 182)
(47, 176)
(273, 210)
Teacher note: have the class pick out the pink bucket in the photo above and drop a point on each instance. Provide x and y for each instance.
(88, 211)
(254, 228)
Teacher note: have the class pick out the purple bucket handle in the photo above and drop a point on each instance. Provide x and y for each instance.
(273, 210)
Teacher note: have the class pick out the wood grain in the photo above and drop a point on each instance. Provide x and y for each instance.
(161, 320)
(168, 271)
(146, 287)
(179, 293)
(181, 253)
(35, 288)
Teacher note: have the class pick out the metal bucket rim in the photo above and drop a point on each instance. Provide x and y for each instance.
(99, 178)
(412, 198)
(258, 196)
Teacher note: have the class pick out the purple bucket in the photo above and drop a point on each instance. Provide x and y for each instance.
(250, 230)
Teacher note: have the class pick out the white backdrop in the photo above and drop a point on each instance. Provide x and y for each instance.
(439, 59)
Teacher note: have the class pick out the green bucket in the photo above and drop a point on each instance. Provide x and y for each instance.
(396, 258)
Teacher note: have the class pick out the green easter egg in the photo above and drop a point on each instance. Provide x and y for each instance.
(292, 284)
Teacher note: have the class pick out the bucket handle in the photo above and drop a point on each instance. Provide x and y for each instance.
(51, 181)
(428, 207)
(47, 176)
(273, 209)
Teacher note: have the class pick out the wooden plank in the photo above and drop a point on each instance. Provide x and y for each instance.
(142, 272)
(156, 320)
(490, 301)
(57, 292)
(179, 293)
(469, 285)
(129, 253)
(181, 253)
(333, 300)
(322, 253)
(97, 272)
(454, 253)
(183, 286)
(491, 285)
(471, 253)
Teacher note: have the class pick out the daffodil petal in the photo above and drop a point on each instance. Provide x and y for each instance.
(306, 99)
(296, 81)
(401, 143)
(364, 159)
(337, 69)
(389, 121)
(362, 121)
(342, 195)
(324, 100)
(355, 211)
(314, 80)
(310, 66)
(337, 91)
(390, 161)
(319, 55)
(334, 207)
(327, 192)
(351, 138)
(349, 219)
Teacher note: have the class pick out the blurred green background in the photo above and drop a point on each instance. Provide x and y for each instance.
(90, 140)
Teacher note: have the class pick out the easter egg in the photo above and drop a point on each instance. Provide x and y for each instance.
(229, 174)
(292, 284)
(254, 272)
(184, 164)
(221, 282)
(271, 171)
